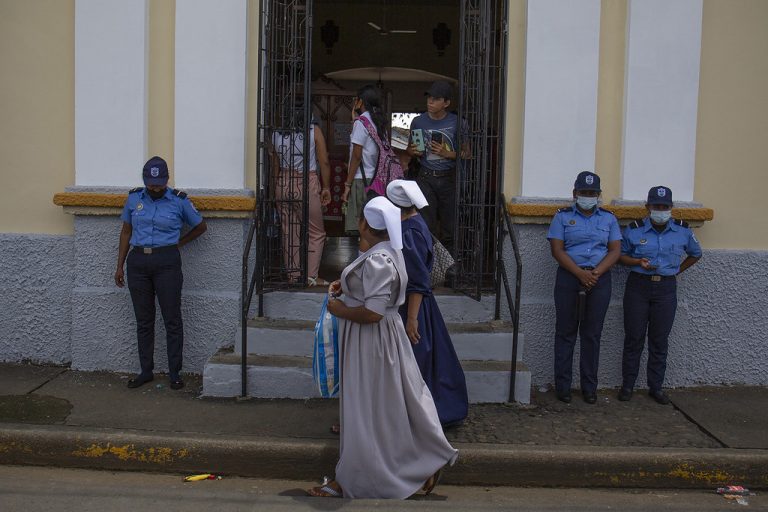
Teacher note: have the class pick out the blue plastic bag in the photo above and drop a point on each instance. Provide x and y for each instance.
(325, 356)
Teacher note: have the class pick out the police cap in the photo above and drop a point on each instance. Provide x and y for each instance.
(155, 171)
(587, 180)
(660, 195)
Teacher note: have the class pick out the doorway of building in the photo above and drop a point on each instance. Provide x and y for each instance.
(401, 46)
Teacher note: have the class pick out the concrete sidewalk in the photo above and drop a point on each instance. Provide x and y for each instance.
(711, 436)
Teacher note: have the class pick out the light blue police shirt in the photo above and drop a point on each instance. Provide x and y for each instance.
(158, 223)
(664, 250)
(585, 237)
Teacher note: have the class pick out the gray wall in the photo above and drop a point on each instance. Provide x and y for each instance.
(720, 334)
(36, 278)
(103, 323)
(59, 304)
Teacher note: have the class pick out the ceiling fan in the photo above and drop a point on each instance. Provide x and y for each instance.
(382, 29)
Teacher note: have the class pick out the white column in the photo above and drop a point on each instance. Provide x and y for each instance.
(661, 97)
(110, 91)
(210, 94)
(561, 72)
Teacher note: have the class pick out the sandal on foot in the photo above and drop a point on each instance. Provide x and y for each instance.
(326, 490)
(432, 482)
(317, 281)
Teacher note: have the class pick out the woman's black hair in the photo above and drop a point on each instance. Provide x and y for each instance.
(407, 209)
(379, 233)
(371, 98)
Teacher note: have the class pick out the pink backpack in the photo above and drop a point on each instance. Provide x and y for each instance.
(388, 167)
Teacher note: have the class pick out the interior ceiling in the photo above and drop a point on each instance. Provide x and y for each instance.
(387, 74)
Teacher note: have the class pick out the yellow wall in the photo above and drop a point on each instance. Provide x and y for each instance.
(162, 66)
(37, 131)
(732, 137)
(610, 96)
(515, 103)
(252, 79)
(37, 105)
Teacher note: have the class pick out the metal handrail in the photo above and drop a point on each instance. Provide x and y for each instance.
(505, 227)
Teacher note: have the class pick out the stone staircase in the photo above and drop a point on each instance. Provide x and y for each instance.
(280, 351)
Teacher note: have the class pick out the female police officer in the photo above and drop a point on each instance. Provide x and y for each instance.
(586, 242)
(152, 220)
(653, 248)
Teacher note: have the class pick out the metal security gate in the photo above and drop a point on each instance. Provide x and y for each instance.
(282, 216)
(481, 107)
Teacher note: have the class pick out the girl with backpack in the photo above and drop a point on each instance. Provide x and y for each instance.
(372, 163)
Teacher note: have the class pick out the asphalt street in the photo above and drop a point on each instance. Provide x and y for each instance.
(30, 489)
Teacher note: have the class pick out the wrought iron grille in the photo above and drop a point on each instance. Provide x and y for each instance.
(285, 133)
(481, 105)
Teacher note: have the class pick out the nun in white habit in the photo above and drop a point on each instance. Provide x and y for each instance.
(392, 444)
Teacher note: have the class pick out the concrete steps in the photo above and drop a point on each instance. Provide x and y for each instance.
(291, 377)
(280, 358)
(279, 350)
(305, 305)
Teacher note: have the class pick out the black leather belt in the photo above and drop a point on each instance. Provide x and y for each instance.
(153, 250)
(653, 277)
(437, 174)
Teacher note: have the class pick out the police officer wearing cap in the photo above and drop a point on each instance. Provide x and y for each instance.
(653, 248)
(585, 240)
(153, 218)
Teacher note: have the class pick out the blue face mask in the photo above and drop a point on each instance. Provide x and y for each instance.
(586, 203)
(660, 216)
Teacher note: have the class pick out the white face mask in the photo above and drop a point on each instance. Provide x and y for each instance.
(661, 216)
(586, 203)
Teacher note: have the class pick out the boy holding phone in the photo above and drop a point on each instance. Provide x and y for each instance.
(434, 143)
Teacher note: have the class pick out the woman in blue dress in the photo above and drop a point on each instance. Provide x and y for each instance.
(431, 343)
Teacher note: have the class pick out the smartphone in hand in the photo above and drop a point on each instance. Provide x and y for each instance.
(438, 137)
(417, 139)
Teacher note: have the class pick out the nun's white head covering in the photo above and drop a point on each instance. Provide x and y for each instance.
(406, 193)
(380, 213)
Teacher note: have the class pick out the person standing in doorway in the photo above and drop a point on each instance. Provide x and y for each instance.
(287, 153)
(363, 153)
(653, 248)
(437, 130)
(585, 240)
(153, 217)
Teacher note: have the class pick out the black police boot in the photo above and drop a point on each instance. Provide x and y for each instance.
(564, 396)
(659, 396)
(590, 398)
(177, 383)
(140, 380)
(625, 394)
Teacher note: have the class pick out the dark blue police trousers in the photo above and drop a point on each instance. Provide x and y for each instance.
(589, 328)
(157, 275)
(649, 307)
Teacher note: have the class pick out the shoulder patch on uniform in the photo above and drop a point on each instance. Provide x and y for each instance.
(180, 193)
(604, 210)
(681, 222)
(636, 224)
(565, 210)
(134, 190)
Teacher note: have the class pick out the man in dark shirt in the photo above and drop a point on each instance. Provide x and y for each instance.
(434, 142)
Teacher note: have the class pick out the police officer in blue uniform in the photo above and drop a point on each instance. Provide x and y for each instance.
(653, 248)
(153, 218)
(585, 240)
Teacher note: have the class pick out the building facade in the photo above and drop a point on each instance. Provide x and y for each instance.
(645, 92)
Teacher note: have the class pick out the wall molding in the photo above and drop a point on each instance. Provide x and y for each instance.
(542, 213)
(90, 203)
